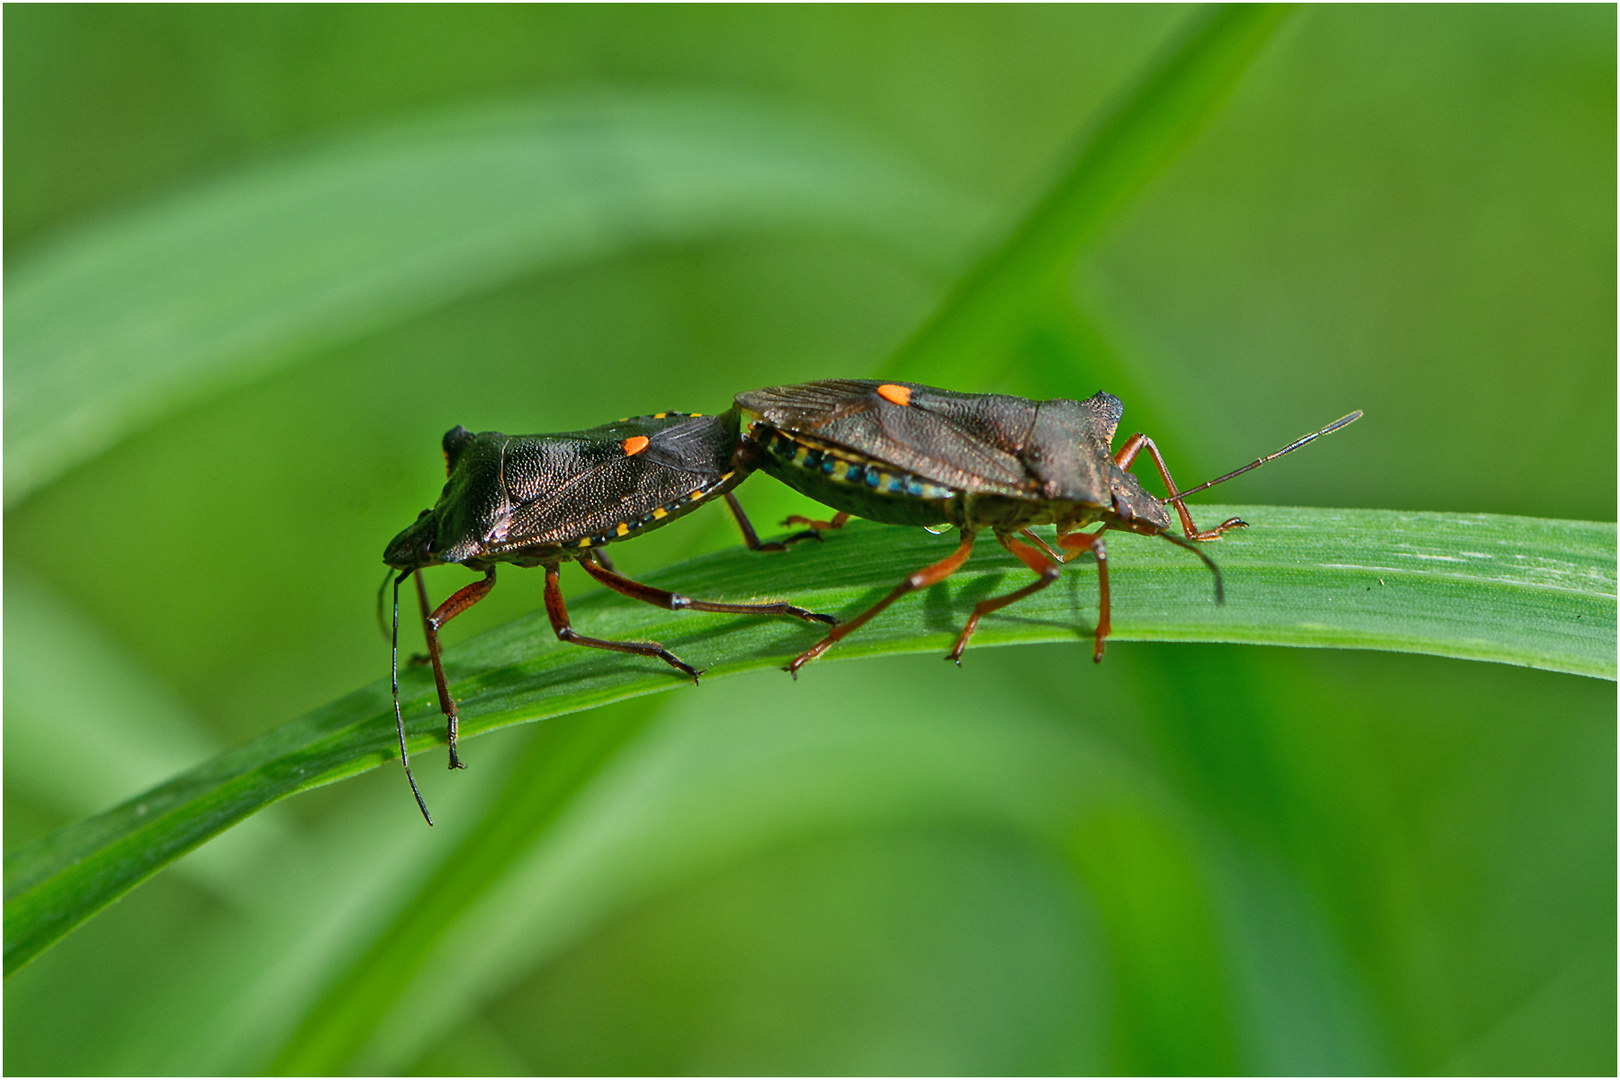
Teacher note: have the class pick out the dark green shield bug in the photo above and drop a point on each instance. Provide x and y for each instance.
(907, 454)
(538, 500)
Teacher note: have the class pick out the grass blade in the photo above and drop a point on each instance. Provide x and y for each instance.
(1482, 587)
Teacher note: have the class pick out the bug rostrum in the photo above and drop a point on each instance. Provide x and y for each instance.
(540, 500)
(907, 454)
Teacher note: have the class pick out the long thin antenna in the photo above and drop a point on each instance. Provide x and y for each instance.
(399, 718)
(1177, 496)
(382, 626)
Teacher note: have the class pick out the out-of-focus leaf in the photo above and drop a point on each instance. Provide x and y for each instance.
(115, 728)
(301, 907)
(85, 718)
(122, 323)
(560, 762)
(1129, 145)
(1512, 590)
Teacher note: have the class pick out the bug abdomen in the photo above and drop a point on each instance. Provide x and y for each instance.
(851, 482)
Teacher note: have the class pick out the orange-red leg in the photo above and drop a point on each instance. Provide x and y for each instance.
(751, 538)
(922, 579)
(673, 601)
(558, 612)
(1077, 544)
(459, 601)
(1127, 454)
(1046, 568)
(839, 520)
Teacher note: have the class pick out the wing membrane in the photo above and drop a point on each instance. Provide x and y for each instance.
(961, 440)
(575, 485)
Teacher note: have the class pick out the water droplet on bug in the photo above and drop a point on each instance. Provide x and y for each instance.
(937, 529)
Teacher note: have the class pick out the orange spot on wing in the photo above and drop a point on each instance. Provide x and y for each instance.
(635, 444)
(900, 395)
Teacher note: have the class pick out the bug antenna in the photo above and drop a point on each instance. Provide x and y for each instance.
(1220, 590)
(399, 717)
(1343, 421)
(382, 590)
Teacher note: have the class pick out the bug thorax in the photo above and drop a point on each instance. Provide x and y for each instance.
(1069, 457)
(469, 509)
(1066, 452)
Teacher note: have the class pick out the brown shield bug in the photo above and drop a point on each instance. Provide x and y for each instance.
(908, 454)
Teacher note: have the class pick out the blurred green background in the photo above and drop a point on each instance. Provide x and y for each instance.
(1187, 859)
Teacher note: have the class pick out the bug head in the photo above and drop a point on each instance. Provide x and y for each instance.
(413, 548)
(472, 502)
(1135, 509)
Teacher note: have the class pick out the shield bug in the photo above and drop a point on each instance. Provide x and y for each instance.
(540, 500)
(907, 454)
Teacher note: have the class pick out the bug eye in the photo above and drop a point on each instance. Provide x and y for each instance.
(455, 441)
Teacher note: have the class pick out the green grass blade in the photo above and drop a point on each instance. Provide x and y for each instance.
(1130, 144)
(1480, 587)
(112, 328)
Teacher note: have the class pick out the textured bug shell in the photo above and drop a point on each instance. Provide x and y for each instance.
(1013, 460)
(532, 499)
(958, 440)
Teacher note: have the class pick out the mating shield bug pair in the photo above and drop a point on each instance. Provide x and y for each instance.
(898, 453)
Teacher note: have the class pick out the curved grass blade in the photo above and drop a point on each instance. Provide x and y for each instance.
(1473, 586)
(112, 328)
